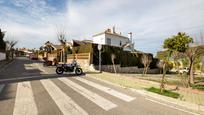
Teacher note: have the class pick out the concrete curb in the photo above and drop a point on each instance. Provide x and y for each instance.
(186, 105)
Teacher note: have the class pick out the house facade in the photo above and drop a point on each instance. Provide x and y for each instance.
(53, 51)
(112, 38)
(57, 52)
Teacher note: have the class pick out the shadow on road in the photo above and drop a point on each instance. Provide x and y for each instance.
(21, 70)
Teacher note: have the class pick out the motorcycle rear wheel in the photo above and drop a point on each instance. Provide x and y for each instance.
(78, 71)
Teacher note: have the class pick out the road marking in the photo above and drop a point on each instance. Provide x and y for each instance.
(24, 78)
(171, 106)
(64, 102)
(1, 88)
(29, 66)
(100, 101)
(43, 70)
(38, 66)
(107, 90)
(24, 102)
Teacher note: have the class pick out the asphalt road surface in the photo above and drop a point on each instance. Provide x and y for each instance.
(28, 88)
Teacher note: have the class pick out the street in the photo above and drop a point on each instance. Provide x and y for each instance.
(28, 88)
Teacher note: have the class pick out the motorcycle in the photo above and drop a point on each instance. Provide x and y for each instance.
(73, 67)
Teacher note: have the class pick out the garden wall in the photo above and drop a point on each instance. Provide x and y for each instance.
(83, 59)
(2, 56)
(119, 69)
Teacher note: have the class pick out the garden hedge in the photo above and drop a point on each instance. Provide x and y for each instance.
(124, 58)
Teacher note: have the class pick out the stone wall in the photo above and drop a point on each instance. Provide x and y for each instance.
(2, 56)
(110, 68)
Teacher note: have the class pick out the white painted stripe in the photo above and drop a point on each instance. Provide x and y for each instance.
(64, 102)
(1, 88)
(27, 77)
(24, 102)
(171, 106)
(107, 90)
(100, 101)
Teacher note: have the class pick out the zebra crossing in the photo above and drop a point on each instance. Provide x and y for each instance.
(25, 99)
(24, 103)
(64, 102)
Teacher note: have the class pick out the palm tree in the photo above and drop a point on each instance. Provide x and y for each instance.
(10, 49)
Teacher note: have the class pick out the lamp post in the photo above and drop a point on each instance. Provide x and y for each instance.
(99, 48)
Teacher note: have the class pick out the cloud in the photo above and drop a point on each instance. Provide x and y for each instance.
(150, 21)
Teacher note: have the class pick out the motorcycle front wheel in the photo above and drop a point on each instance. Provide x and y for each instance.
(78, 71)
(59, 70)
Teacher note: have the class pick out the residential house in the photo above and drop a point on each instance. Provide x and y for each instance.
(53, 51)
(112, 38)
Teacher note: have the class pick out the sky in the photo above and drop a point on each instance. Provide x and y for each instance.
(33, 22)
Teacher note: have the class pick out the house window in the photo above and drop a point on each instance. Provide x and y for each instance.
(108, 41)
(120, 43)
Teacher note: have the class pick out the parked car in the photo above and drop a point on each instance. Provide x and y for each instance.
(184, 70)
(33, 57)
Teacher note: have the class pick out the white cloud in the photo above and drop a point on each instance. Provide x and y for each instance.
(150, 21)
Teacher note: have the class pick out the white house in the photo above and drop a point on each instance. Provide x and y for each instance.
(110, 37)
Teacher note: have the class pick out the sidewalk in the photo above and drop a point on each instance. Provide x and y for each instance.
(189, 100)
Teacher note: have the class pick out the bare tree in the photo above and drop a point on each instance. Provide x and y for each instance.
(61, 35)
(146, 60)
(192, 53)
(201, 57)
(113, 61)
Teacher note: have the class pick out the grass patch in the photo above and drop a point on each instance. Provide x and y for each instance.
(165, 93)
(199, 87)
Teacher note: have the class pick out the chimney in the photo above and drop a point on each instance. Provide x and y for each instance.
(108, 30)
(113, 29)
(130, 36)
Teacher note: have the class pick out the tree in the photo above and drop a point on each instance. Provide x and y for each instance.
(61, 34)
(192, 53)
(47, 48)
(2, 42)
(177, 45)
(113, 56)
(146, 60)
(165, 66)
(10, 49)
